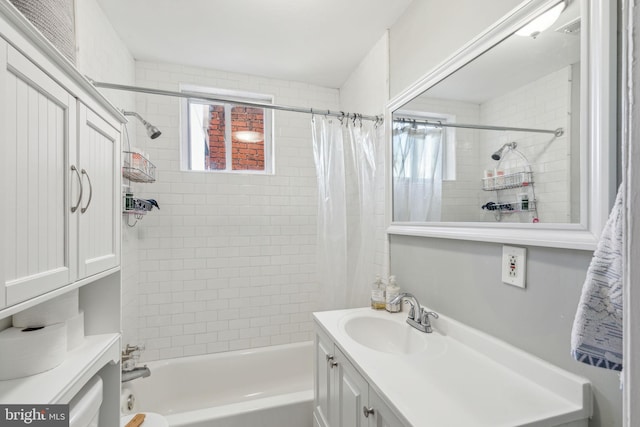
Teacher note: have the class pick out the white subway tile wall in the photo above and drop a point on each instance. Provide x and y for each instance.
(228, 262)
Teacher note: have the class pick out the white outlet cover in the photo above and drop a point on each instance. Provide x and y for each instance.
(514, 275)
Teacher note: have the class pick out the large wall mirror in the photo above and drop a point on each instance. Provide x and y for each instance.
(513, 138)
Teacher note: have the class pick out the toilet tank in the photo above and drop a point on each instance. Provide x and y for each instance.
(84, 408)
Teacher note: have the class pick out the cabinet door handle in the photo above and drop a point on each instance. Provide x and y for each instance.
(75, 208)
(330, 360)
(368, 411)
(83, 210)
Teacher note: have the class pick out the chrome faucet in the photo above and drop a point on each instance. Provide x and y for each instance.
(418, 316)
(134, 373)
(130, 355)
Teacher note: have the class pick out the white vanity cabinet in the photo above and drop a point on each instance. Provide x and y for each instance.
(60, 181)
(343, 398)
(373, 369)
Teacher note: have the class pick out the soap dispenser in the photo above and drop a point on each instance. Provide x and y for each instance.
(377, 294)
(393, 290)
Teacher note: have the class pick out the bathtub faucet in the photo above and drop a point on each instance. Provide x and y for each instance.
(418, 316)
(134, 373)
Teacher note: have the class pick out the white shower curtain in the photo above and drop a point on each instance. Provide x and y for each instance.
(417, 173)
(361, 139)
(345, 162)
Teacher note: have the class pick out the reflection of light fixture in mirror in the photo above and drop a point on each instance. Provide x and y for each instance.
(248, 136)
(542, 22)
(152, 131)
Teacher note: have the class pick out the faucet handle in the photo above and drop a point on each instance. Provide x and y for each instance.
(426, 314)
(425, 320)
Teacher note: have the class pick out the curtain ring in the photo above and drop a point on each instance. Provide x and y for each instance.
(341, 118)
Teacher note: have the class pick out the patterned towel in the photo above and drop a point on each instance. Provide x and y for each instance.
(596, 338)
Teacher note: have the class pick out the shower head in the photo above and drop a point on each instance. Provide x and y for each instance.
(498, 154)
(152, 131)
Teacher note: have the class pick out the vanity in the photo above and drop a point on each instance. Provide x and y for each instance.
(373, 369)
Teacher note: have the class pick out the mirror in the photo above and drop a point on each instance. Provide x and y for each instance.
(500, 136)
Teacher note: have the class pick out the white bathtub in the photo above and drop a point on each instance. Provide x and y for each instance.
(269, 387)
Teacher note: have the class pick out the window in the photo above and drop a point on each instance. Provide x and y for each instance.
(226, 136)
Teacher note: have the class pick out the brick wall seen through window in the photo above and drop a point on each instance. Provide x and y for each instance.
(223, 136)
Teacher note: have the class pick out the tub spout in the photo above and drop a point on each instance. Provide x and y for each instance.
(135, 373)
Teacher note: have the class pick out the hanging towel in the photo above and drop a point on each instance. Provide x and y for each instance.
(596, 338)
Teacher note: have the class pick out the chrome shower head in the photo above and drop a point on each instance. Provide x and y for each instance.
(152, 131)
(498, 154)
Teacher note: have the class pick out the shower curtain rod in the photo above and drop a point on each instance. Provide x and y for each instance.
(208, 97)
(557, 132)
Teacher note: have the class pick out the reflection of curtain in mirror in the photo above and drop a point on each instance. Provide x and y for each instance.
(417, 172)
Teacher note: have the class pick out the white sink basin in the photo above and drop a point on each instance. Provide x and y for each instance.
(385, 334)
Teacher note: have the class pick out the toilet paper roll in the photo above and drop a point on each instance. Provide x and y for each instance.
(127, 401)
(29, 351)
(57, 310)
(75, 331)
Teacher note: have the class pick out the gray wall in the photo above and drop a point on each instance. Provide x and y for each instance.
(462, 279)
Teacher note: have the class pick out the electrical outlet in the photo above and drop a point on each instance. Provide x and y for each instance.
(514, 266)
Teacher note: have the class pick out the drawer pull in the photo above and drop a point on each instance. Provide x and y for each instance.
(331, 361)
(368, 411)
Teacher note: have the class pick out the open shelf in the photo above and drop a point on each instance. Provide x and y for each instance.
(61, 383)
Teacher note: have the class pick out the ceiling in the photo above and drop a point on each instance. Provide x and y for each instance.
(312, 41)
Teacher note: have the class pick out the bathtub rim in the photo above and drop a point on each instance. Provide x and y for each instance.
(223, 354)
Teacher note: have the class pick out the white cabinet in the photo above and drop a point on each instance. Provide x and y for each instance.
(99, 216)
(37, 121)
(60, 183)
(60, 216)
(343, 398)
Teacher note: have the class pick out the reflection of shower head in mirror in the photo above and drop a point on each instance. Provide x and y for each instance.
(498, 154)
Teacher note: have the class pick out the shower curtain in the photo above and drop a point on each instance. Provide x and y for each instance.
(417, 173)
(344, 154)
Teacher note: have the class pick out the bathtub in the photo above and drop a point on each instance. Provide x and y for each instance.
(269, 387)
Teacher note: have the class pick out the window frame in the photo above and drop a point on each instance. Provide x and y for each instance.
(230, 96)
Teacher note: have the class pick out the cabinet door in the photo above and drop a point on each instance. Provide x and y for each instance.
(322, 380)
(352, 393)
(35, 128)
(99, 166)
(383, 416)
